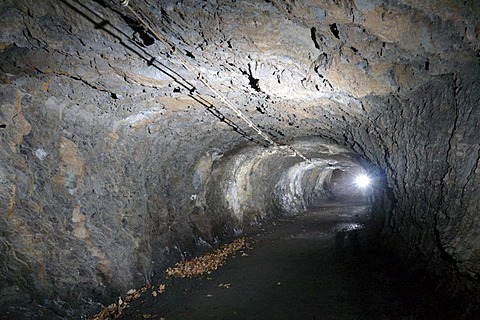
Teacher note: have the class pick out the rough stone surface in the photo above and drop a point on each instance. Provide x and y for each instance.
(117, 161)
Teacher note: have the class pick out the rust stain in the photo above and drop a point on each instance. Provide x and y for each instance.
(83, 234)
(44, 86)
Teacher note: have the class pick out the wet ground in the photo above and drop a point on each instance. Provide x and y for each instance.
(309, 267)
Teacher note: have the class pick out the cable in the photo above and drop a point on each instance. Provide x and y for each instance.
(199, 76)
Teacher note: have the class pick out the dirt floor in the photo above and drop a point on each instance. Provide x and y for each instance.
(309, 267)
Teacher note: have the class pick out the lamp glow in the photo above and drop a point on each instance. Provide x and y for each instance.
(362, 181)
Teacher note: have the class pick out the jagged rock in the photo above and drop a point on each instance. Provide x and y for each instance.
(116, 159)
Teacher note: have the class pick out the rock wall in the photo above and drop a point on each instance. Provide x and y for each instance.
(423, 167)
(116, 160)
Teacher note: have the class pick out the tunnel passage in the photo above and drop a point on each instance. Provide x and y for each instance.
(351, 185)
(117, 161)
(258, 183)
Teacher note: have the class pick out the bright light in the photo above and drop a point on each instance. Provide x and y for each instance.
(362, 181)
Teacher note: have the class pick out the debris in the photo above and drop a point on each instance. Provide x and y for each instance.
(114, 311)
(207, 262)
(146, 315)
(225, 285)
(197, 266)
(162, 288)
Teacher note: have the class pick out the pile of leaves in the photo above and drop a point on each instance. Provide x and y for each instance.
(207, 262)
(114, 310)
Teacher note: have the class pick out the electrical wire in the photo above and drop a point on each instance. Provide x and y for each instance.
(188, 66)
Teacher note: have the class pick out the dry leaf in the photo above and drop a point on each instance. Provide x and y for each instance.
(114, 311)
(162, 288)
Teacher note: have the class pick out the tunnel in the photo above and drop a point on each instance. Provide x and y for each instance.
(136, 134)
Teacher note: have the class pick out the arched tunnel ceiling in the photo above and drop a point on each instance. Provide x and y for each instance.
(112, 148)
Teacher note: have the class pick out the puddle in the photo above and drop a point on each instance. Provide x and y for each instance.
(348, 226)
(313, 235)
